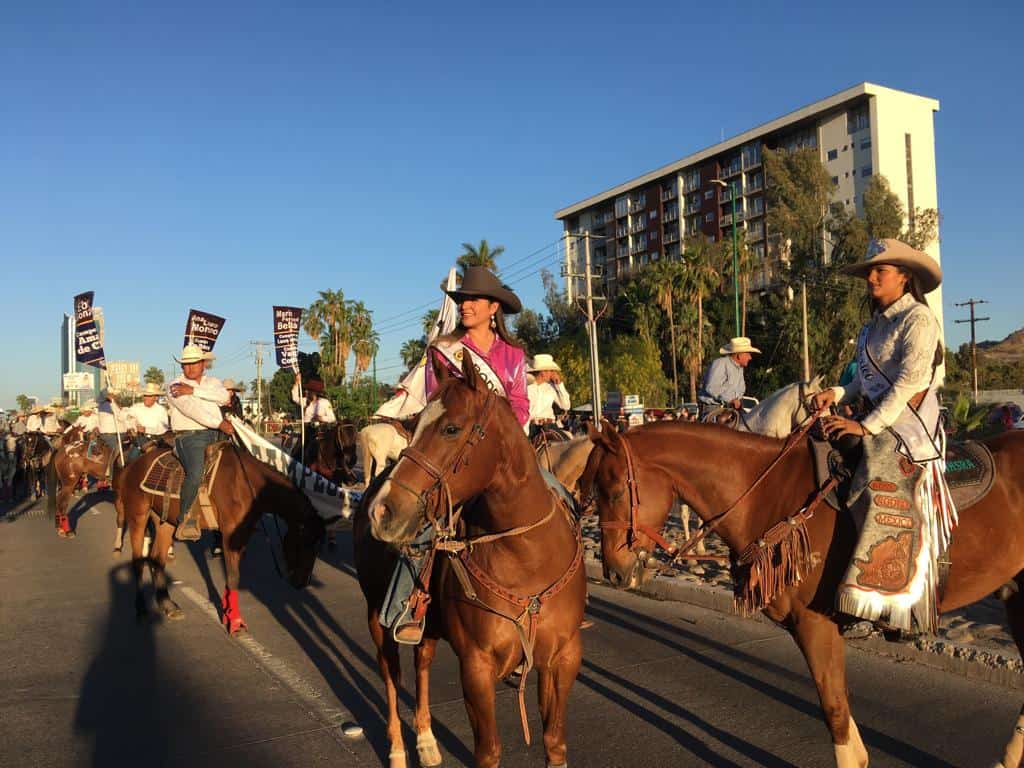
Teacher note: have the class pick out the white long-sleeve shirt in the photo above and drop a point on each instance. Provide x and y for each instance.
(201, 409)
(111, 418)
(87, 423)
(150, 419)
(34, 423)
(319, 410)
(543, 398)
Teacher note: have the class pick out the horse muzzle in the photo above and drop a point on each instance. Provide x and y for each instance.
(395, 518)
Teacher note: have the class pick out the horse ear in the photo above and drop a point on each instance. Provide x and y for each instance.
(608, 437)
(441, 370)
(469, 373)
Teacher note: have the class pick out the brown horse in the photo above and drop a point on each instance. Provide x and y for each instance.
(709, 467)
(511, 586)
(242, 492)
(67, 466)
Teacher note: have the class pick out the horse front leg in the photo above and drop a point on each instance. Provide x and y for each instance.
(390, 666)
(825, 652)
(231, 614)
(426, 744)
(553, 687)
(1013, 753)
(158, 566)
(478, 677)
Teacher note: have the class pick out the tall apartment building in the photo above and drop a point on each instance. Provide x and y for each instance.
(862, 131)
(68, 364)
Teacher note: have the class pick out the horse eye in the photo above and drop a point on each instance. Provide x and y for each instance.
(451, 430)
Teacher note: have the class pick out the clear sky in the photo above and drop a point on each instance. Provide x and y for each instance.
(232, 156)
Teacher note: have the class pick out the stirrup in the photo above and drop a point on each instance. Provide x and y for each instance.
(409, 633)
(188, 528)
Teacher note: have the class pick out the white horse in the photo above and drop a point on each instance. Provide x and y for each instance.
(379, 443)
(782, 411)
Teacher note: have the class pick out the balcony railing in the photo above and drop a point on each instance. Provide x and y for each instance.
(753, 235)
(732, 170)
(755, 186)
(691, 184)
(671, 215)
(668, 194)
(726, 220)
(670, 237)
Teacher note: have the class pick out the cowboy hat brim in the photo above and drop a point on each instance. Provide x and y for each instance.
(899, 254)
(480, 282)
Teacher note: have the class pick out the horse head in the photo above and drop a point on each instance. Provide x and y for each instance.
(451, 458)
(628, 521)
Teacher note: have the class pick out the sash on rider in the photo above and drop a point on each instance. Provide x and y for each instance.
(901, 504)
(454, 352)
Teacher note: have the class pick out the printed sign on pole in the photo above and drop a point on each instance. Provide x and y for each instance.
(287, 322)
(202, 329)
(88, 344)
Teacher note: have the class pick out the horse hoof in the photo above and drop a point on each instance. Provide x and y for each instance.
(238, 627)
(396, 759)
(427, 751)
(558, 765)
(174, 613)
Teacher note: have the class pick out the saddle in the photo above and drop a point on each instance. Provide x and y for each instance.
(970, 470)
(404, 427)
(166, 475)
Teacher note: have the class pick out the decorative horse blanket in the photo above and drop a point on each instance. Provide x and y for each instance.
(166, 475)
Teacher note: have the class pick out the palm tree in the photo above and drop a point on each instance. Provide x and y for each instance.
(412, 352)
(666, 280)
(701, 279)
(365, 340)
(641, 301)
(479, 256)
(327, 321)
(429, 321)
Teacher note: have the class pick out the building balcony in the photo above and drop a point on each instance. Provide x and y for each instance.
(754, 186)
(692, 209)
(668, 194)
(754, 235)
(732, 170)
(670, 216)
(726, 220)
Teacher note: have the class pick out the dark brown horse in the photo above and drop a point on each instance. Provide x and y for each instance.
(511, 578)
(67, 466)
(33, 457)
(709, 468)
(242, 492)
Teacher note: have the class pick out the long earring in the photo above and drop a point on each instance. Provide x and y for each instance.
(493, 323)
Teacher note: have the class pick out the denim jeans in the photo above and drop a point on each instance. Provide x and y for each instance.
(190, 448)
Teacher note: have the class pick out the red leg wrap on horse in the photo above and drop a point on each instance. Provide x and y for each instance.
(232, 616)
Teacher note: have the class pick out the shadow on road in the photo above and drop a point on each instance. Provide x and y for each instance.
(662, 633)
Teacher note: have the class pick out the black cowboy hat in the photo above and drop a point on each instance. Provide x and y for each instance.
(480, 282)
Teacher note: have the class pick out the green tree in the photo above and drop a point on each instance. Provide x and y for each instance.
(703, 275)
(527, 329)
(798, 193)
(412, 352)
(667, 283)
(429, 321)
(153, 375)
(965, 417)
(482, 255)
(637, 370)
(365, 340)
(24, 404)
(328, 322)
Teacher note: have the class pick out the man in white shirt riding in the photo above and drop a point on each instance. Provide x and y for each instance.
(195, 400)
(546, 391)
(316, 410)
(149, 419)
(87, 419)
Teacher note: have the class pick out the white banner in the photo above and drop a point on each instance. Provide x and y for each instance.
(332, 502)
(78, 381)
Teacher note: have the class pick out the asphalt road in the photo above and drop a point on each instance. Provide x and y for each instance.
(82, 683)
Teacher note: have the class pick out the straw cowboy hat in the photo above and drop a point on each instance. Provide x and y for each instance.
(152, 389)
(88, 405)
(739, 344)
(230, 384)
(40, 409)
(543, 363)
(192, 353)
(897, 253)
(480, 282)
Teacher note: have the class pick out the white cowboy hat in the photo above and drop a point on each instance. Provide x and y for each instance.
(543, 362)
(152, 389)
(230, 384)
(889, 251)
(88, 405)
(738, 344)
(192, 353)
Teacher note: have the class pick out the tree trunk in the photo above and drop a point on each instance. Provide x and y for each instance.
(694, 372)
(672, 335)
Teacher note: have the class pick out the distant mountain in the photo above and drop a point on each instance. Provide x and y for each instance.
(1008, 350)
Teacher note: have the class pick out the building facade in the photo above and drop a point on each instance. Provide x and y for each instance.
(68, 364)
(865, 130)
(123, 375)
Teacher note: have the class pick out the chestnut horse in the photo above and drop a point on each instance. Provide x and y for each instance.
(242, 492)
(709, 468)
(511, 586)
(68, 465)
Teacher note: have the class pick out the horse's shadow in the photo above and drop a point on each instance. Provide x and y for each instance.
(664, 634)
(347, 667)
(84, 504)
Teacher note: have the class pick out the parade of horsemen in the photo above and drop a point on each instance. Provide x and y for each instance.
(720, 465)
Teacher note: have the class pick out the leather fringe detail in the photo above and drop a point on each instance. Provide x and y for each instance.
(771, 565)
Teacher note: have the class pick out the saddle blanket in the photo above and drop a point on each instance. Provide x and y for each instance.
(165, 476)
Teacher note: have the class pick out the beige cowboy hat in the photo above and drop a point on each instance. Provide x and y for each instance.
(40, 409)
(543, 362)
(192, 353)
(739, 344)
(88, 405)
(897, 253)
(232, 385)
(480, 282)
(152, 389)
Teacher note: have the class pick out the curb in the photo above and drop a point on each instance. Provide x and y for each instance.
(966, 661)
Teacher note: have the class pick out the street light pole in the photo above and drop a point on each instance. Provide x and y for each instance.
(735, 254)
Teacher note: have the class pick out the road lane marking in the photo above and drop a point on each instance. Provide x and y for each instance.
(307, 695)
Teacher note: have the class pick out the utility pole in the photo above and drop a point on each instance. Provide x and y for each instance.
(595, 373)
(807, 354)
(974, 349)
(259, 376)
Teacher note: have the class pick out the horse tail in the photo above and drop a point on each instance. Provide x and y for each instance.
(52, 485)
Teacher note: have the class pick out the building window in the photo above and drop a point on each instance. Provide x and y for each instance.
(832, 154)
(857, 119)
(654, 215)
(865, 171)
(865, 144)
(621, 207)
(654, 234)
(835, 181)
(709, 217)
(709, 194)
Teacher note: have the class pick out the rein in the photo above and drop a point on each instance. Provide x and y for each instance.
(634, 527)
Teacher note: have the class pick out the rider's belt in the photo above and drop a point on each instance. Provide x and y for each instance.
(184, 432)
(914, 402)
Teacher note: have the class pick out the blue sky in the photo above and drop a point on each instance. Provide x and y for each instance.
(235, 156)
